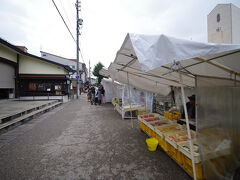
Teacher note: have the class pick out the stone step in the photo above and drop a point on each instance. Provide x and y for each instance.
(19, 120)
(9, 117)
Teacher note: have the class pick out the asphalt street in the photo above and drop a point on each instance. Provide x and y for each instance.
(82, 141)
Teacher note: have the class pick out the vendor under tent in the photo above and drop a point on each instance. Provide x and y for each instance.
(155, 62)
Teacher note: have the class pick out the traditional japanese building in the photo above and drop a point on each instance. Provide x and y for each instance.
(24, 74)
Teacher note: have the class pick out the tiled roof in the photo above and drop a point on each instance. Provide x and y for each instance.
(18, 50)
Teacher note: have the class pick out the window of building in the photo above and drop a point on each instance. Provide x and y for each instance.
(218, 17)
(32, 87)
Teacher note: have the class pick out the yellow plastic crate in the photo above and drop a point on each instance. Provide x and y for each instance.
(143, 126)
(172, 115)
(179, 157)
(187, 165)
(146, 129)
(171, 151)
(162, 143)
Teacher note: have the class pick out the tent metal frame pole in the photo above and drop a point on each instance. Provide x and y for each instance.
(129, 100)
(218, 66)
(222, 78)
(188, 128)
(196, 102)
(208, 60)
(152, 75)
(235, 80)
(150, 79)
(183, 73)
(129, 63)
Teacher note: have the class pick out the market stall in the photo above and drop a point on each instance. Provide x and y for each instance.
(155, 62)
(133, 102)
(127, 100)
(111, 89)
(137, 101)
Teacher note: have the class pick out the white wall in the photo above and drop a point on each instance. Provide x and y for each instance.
(61, 60)
(29, 65)
(235, 24)
(224, 35)
(8, 54)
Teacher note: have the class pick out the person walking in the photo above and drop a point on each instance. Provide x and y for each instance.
(99, 95)
(92, 95)
(96, 95)
(89, 94)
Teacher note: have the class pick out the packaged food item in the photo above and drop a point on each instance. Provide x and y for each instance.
(150, 119)
(147, 116)
(179, 136)
(186, 147)
(170, 128)
(159, 123)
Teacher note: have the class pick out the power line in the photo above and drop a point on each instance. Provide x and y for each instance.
(68, 29)
(63, 20)
(66, 15)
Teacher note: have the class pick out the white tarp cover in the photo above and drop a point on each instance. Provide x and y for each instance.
(104, 72)
(156, 54)
(156, 50)
(112, 89)
(137, 98)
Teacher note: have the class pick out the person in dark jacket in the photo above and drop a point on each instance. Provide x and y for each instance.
(92, 95)
(191, 107)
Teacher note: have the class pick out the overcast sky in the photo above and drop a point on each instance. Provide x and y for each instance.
(37, 25)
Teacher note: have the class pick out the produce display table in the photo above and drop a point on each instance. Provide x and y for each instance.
(192, 123)
(124, 111)
(172, 138)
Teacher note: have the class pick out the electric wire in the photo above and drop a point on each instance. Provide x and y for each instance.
(68, 29)
(63, 20)
(65, 12)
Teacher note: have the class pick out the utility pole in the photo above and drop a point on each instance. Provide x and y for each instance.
(79, 23)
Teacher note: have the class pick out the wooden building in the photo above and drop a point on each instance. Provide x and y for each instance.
(24, 74)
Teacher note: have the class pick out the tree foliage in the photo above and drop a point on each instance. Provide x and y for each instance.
(96, 70)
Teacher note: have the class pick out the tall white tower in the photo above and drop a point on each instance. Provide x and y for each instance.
(224, 24)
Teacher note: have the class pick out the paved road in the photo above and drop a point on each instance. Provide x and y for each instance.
(82, 141)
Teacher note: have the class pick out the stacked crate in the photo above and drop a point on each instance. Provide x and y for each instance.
(174, 149)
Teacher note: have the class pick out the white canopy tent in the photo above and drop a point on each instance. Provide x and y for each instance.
(111, 88)
(104, 72)
(149, 59)
(155, 62)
